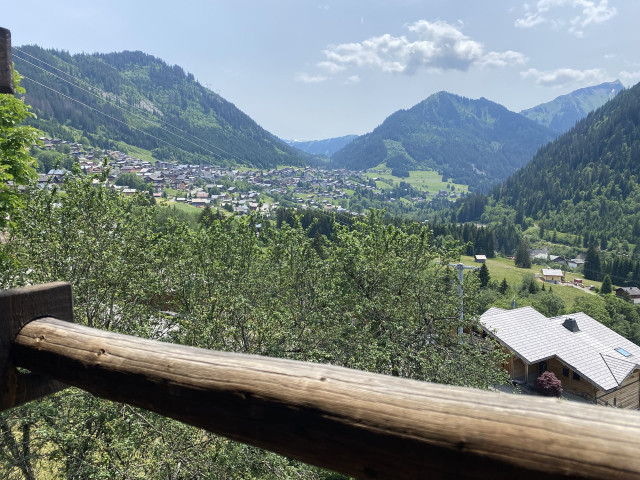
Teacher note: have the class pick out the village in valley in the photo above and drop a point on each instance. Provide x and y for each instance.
(232, 189)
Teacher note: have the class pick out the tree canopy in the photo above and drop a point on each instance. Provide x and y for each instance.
(368, 295)
(16, 163)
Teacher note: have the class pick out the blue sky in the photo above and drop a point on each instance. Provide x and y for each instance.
(310, 70)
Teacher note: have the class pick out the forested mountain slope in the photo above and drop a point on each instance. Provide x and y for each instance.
(588, 180)
(474, 142)
(148, 104)
(563, 112)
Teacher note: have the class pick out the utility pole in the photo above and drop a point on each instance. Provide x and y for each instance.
(461, 268)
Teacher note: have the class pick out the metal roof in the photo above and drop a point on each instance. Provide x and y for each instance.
(591, 351)
(552, 272)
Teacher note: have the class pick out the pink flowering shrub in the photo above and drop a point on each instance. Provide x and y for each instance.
(548, 384)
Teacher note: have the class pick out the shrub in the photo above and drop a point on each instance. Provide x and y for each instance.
(548, 385)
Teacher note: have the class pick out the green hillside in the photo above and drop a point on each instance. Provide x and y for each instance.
(588, 181)
(562, 113)
(138, 99)
(473, 142)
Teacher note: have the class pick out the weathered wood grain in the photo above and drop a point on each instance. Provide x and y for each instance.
(6, 67)
(361, 424)
(18, 307)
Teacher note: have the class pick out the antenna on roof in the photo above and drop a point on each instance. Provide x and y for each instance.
(6, 65)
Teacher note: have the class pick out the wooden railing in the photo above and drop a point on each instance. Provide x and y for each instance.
(357, 423)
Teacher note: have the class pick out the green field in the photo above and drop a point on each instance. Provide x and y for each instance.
(500, 268)
(425, 180)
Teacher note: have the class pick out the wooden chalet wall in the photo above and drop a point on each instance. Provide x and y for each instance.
(627, 396)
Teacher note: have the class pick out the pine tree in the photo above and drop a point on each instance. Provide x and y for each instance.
(523, 254)
(484, 276)
(606, 285)
(504, 286)
(592, 266)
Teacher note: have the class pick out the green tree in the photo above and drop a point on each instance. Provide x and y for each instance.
(504, 286)
(373, 296)
(523, 254)
(592, 267)
(606, 285)
(484, 276)
(132, 180)
(16, 163)
(548, 304)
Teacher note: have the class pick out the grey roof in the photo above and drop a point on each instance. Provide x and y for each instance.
(633, 291)
(591, 351)
(552, 272)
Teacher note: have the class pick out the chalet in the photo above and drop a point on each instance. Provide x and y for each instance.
(632, 293)
(552, 275)
(199, 202)
(590, 360)
(540, 254)
(480, 258)
(575, 263)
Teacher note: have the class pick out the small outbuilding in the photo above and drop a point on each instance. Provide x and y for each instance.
(480, 258)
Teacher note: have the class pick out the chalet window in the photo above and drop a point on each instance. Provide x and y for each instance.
(565, 372)
(576, 376)
(542, 367)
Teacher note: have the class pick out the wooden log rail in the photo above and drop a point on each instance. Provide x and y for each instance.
(361, 424)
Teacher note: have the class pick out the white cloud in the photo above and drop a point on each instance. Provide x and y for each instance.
(430, 45)
(331, 67)
(590, 12)
(352, 80)
(502, 59)
(565, 76)
(306, 78)
(630, 78)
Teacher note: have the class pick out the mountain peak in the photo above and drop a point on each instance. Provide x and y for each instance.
(563, 112)
(474, 142)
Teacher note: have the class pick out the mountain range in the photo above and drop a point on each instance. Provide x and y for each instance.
(474, 142)
(137, 99)
(326, 147)
(562, 113)
(586, 182)
(133, 99)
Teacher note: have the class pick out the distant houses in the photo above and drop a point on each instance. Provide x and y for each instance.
(630, 293)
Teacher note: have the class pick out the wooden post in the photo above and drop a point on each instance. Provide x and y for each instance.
(17, 308)
(361, 424)
(6, 65)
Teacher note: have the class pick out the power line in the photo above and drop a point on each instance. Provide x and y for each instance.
(106, 98)
(111, 103)
(109, 116)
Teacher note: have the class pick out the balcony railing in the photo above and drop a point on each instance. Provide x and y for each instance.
(361, 424)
